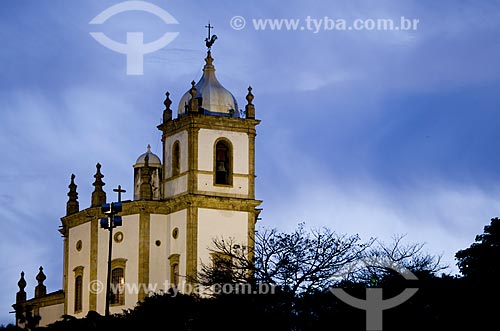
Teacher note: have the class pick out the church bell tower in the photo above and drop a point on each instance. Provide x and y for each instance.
(209, 164)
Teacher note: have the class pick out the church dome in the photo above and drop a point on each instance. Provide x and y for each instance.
(154, 160)
(213, 98)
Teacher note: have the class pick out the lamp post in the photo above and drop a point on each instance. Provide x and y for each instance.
(110, 222)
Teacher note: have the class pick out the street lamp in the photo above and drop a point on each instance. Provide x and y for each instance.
(109, 222)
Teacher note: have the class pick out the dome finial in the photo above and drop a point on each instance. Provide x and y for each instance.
(40, 289)
(149, 148)
(22, 282)
(21, 294)
(209, 61)
(72, 206)
(167, 101)
(98, 196)
(250, 108)
(193, 101)
(249, 95)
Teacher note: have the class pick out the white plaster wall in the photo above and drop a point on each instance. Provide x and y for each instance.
(161, 229)
(214, 223)
(176, 186)
(206, 183)
(50, 314)
(178, 246)
(75, 259)
(206, 141)
(127, 249)
(158, 254)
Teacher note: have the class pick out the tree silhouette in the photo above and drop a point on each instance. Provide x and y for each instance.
(300, 261)
(479, 262)
(303, 264)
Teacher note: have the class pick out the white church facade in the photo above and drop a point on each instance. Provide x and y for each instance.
(202, 187)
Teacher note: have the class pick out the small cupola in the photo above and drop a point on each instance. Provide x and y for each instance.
(148, 168)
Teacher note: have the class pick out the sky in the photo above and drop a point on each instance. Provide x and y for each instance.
(364, 131)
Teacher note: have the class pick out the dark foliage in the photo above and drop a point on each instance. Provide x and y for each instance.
(480, 262)
(441, 303)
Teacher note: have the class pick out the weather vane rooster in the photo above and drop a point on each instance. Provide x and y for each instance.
(209, 41)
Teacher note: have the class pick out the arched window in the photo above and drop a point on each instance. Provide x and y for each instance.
(223, 164)
(174, 270)
(176, 158)
(78, 293)
(117, 287)
(78, 289)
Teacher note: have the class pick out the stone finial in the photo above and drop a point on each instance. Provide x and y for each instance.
(193, 102)
(40, 289)
(72, 206)
(193, 91)
(146, 190)
(98, 196)
(249, 96)
(250, 108)
(167, 113)
(21, 294)
(209, 60)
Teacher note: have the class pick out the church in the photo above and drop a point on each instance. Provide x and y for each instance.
(202, 187)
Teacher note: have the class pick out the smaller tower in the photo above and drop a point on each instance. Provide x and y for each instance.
(98, 196)
(147, 173)
(72, 206)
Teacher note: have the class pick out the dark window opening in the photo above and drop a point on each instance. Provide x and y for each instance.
(222, 163)
(78, 293)
(176, 159)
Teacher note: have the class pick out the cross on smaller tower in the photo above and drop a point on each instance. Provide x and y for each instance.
(119, 191)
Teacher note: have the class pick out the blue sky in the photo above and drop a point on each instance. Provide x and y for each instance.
(370, 132)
